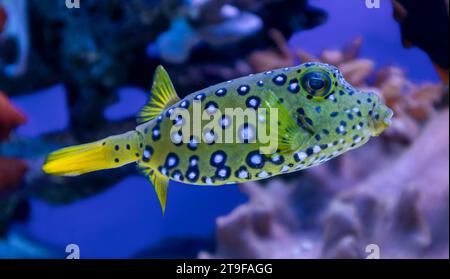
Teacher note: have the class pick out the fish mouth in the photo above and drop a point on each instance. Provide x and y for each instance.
(380, 118)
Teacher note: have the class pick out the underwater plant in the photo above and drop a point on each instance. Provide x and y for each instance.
(318, 116)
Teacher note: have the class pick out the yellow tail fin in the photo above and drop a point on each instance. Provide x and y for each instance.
(112, 152)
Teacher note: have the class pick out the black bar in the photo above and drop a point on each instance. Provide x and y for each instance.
(231, 268)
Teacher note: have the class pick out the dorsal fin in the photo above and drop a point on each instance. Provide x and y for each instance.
(163, 95)
(288, 133)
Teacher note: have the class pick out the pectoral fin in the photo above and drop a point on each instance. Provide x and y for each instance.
(288, 133)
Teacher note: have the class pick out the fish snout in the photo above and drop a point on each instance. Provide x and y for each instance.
(380, 117)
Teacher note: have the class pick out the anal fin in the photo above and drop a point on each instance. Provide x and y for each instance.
(161, 184)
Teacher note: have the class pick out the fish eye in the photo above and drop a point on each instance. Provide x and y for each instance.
(317, 84)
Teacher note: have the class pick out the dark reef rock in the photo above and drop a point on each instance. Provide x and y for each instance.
(425, 25)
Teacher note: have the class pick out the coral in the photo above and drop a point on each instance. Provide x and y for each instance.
(405, 214)
(265, 227)
(272, 58)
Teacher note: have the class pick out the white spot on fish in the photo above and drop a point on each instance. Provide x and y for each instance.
(211, 109)
(247, 133)
(256, 159)
(171, 162)
(146, 154)
(263, 174)
(192, 175)
(218, 158)
(279, 79)
(209, 136)
(302, 156)
(316, 149)
(293, 86)
(164, 171)
(285, 168)
(225, 122)
(222, 173)
(176, 137)
(243, 174)
(253, 102)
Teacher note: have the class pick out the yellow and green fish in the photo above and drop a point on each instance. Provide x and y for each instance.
(318, 117)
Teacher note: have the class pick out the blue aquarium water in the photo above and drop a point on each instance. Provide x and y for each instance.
(127, 218)
(46, 111)
(131, 99)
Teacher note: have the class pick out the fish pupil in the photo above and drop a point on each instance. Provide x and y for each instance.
(316, 83)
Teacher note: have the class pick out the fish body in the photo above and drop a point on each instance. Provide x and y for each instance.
(317, 116)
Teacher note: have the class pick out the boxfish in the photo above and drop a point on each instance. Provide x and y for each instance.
(304, 116)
